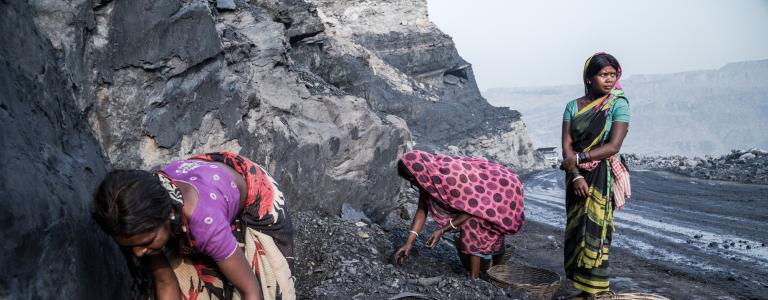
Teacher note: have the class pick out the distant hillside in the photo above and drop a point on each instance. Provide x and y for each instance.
(691, 113)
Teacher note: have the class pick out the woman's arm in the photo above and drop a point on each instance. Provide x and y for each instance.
(238, 271)
(452, 224)
(420, 217)
(618, 133)
(421, 214)
(416, 226)
(567, 141)
(569, 155)
(166, 285)
(456, 222)
(579, 185)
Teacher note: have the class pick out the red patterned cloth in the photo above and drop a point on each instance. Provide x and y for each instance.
(260, 185)
(264, 213)
(490, 192)
(622, 189)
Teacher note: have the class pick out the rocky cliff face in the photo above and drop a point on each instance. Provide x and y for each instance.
(324, 94)
(391, 55)
(50, 162)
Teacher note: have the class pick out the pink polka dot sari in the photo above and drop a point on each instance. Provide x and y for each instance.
(490, 192)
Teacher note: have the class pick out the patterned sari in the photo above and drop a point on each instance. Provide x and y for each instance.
(491, 193)
(590, 220)
(263, 229)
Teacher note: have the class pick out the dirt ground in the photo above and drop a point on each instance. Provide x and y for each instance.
(347, 259)
(541, 245)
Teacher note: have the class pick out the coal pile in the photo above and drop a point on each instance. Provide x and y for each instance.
(352, 259)
(747, 166)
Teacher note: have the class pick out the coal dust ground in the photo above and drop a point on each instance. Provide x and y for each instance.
(679, 237)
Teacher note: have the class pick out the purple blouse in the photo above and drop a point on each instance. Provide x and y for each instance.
(217, 205)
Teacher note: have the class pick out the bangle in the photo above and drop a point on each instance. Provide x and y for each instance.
(450, 221)
(577, 178)
(414, 232)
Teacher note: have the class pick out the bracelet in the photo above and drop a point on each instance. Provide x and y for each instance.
(577, 178)
(450, 221)
(582, 157)
(414, 232)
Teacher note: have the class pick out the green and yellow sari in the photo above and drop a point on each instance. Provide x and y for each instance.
(590, 219)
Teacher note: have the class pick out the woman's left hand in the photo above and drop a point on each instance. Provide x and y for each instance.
(434, 238)
(580, 187)
(569, 163)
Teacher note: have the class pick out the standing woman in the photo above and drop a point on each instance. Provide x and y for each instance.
(594, 127)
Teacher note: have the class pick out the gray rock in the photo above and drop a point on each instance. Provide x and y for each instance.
(413, 82)
(152, 37)
(691, 163)
(428, 281)
(747, 156)
(51, 162)
(226, 4)
(352, 214)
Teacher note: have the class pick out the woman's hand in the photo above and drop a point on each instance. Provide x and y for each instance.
(569, 163)
(166, 284)
(434, 238)
(237, 269)
(580, 187)
(402, 253)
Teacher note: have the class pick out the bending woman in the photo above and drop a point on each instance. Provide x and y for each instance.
(594, 127)
(480, 200)
(212, 226)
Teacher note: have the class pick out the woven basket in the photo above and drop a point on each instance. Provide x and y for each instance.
(540, 283)
(632, 296)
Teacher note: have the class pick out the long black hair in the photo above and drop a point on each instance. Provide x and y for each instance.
(129, 202)
(597, 62)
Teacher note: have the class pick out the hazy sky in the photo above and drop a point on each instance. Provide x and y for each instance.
(531, 43)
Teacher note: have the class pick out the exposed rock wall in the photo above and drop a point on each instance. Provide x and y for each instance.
(402, 64)
(513, 147)
(225, 81)
(324, 94)
(50, 162)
